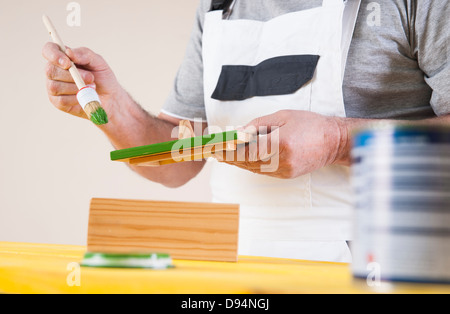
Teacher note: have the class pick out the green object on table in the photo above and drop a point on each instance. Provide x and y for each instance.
(109, 260)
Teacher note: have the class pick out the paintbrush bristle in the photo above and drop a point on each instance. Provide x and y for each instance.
(96, 113)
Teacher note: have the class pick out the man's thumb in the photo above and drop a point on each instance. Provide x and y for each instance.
(263, 125)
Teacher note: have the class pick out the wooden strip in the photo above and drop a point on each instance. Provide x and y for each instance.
(166, 147)
(197, 153)
(194, 231)
(126, 155)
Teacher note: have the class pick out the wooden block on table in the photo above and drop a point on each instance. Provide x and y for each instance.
(192, 231)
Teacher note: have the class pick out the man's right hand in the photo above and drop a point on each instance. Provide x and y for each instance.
(94, 70)
(129, 124)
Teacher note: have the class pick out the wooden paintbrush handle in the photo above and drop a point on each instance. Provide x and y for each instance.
(57, 40)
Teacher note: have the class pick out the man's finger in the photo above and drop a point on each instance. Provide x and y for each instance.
(262, 149)
(86, 58)
(55, 56)
(55, 73)
(261, 167)
(56, 88)
(68, 104)
(266, 124)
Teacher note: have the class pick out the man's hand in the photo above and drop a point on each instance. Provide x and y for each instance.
(292, 143)
(94, 70)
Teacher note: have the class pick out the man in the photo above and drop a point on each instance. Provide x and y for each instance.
(288, 67)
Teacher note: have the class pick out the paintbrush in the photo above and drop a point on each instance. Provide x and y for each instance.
(87, 96)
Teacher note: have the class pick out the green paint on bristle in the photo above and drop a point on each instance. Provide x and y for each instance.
(99, 117)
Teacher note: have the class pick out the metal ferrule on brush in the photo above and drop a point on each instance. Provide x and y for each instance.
(87, 95)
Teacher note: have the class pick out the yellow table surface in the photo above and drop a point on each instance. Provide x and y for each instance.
(43, 268)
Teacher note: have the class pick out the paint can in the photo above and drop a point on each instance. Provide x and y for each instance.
(401, 180)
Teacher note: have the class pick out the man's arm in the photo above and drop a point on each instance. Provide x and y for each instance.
(129, 124)
(136, 127)
(349, 126)
(293, 143)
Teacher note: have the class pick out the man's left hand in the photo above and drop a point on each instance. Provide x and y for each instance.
(291, 143)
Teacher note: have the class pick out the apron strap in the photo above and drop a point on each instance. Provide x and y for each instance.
(331, 15)
(350, 16)
(222, 5)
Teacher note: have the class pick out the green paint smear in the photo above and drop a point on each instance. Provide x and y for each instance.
(111, 260)
(124, 256)
(99, 117)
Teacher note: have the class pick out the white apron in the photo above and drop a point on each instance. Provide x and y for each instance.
(303, 218)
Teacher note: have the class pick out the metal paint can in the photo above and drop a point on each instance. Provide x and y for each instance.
(401, 180)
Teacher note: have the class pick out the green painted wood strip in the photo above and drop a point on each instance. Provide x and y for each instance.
(167, 147)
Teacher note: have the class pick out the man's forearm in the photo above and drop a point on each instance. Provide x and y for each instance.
(348, 126)
(131, 126)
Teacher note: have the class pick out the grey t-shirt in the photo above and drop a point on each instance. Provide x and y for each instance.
(397, 67)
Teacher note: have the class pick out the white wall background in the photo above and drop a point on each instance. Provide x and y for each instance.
(52, 164)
